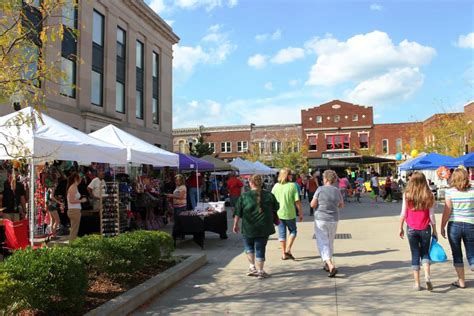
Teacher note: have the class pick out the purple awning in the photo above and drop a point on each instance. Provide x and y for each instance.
(192, 163)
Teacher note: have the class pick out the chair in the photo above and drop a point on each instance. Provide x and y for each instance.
(16, 235)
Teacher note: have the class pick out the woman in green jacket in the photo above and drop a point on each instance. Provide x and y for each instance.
(256, 209)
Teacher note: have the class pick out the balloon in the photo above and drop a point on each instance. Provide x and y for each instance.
(398, 156)
(414, 153)
(443, 173)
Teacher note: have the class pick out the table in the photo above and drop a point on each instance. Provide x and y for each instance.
(197, 226)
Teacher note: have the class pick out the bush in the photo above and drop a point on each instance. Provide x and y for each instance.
(8, 294)
(48, 279)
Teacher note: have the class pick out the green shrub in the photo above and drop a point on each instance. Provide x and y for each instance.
(8, 294)
(48, 279)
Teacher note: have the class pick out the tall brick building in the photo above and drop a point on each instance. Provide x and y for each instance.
(330, 130)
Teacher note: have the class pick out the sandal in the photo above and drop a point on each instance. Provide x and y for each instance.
(456, 284)
(285, 257)
(289, 256)
(332, 273)
(326, 268)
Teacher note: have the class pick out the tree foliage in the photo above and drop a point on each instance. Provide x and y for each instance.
(291, 158)
(201, 149)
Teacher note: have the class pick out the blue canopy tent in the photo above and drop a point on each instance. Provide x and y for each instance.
(429, 161)
(466, 160)
(188, 163)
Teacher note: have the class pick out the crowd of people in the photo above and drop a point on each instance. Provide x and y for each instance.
(259, 210)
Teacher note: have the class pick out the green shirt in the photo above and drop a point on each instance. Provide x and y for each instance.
(286, 194)
(254, 222)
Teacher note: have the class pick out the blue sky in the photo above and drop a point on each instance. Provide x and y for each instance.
(262, 61)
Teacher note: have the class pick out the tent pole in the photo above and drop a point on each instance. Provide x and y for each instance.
(197, 183)
(31, 202)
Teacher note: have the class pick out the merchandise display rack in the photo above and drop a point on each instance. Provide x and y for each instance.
(113, 211)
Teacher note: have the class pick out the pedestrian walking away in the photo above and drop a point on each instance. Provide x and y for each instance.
(256, 209)
(459, 216)
(328, 200)
(418, 213)
(287, 196)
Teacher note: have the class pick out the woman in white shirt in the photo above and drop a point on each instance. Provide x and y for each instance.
(74, 201)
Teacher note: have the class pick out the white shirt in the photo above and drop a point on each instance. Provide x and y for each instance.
(96, 186)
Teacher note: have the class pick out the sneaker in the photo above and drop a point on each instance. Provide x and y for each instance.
(417, 287)
(252, 272)
(262, 275)
(429, 285)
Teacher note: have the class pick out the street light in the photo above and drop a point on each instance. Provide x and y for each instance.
(15, 100)
(190, 143)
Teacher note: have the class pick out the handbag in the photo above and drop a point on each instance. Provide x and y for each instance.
(276, 219)
(437, 253)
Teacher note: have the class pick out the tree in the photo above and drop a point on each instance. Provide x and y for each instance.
(29, 68)
(449, 134)
(201, 149)
(292, 158)
(253, 154)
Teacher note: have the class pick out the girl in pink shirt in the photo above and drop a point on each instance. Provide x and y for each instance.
(418, 212)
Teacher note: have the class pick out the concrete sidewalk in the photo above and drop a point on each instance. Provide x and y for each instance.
(374, 275)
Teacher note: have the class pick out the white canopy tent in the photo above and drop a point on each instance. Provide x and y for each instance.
(244, 167)
(38, 138)
(138, 151)
(263, 169)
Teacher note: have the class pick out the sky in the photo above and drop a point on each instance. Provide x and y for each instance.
(262, 61)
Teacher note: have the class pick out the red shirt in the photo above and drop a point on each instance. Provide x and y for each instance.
(418, 220)
(234, 186)
(192, 183)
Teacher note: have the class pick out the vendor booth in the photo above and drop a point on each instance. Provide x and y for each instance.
(244, 167)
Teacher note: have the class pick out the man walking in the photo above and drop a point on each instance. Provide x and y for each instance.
(312, 186)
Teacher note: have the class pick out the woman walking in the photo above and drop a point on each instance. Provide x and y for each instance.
(287, 196)
(256, 209)
(418, 212)
(328, 200)
(459, 215)
(74, 201)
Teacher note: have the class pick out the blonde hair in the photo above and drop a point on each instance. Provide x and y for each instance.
(460, 179)
(179, 179)
(257, 181)
(418, 194)
(330, 176)
(283, 175)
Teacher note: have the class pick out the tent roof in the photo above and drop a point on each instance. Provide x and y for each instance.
(264, 169)
(187, 162)
(243, 166)
(219, 165)
(429, 161)
(48, 139)
(467, 160)
(138, 151)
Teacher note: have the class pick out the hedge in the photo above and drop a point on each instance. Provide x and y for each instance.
(54, 280)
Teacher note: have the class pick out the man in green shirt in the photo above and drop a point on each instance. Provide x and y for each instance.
(287, 196)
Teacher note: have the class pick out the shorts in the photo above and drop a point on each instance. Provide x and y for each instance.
(284, 224)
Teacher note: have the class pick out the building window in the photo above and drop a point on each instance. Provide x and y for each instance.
(337, 142)
(312, 142)
(319, 119)
(293, 146)
(155, 109)
(139, 85)
(355, 117)
(97, 58)
(385, 146)
(259, 148)
(242, 146)
(68, 82)
(226, 147)
(337, 118)
(182, 146)
(120, 75)
(398, 145)
(363, 141)
(68, 50)
(69, 14)
(212, 147)
(276, 147)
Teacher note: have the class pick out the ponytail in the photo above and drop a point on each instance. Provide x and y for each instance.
(256, 179)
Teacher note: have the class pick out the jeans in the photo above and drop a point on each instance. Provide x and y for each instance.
(419, 241)
(457, 232)
(193, 196)
(257, 246)
(325, 233)
(310, 198)
(284, 223)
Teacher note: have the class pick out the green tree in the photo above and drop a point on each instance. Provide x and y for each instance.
(201, 149)
(292, 158)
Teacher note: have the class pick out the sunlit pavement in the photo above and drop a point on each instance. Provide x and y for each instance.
(374, 275)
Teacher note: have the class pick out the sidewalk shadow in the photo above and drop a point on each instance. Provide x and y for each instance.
(364, 253)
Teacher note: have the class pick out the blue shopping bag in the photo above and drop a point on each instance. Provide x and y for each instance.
(437, 253)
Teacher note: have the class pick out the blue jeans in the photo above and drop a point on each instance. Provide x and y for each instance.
(284, 223)
(457, 232)
(193, 196)
(257, 246)
(419, 241)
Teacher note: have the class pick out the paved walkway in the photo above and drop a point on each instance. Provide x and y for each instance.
(374, 275)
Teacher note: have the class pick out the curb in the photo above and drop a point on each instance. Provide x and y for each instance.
(134, 298)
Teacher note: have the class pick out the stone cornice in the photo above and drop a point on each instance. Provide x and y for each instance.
(144, 11)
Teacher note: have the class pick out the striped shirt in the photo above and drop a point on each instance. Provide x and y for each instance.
(462, 205)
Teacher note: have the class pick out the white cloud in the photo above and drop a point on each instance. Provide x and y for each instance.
(214, 107)
(187, 57)
(362, 57)
(466, 41)
(193, 104)
(157, 5)
(233, 3)
(170, 22)
(396, 84)
(257, 61)
(294, 82)
(273, 36)
(288, 55)
(376, 7)
(268, 86)
(213, 34)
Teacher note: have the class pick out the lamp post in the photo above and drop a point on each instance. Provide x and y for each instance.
(190, 144)
(15, 100)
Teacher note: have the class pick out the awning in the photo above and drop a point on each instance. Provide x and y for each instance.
(363, 159)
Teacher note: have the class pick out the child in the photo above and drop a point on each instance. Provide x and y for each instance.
(418, 212)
